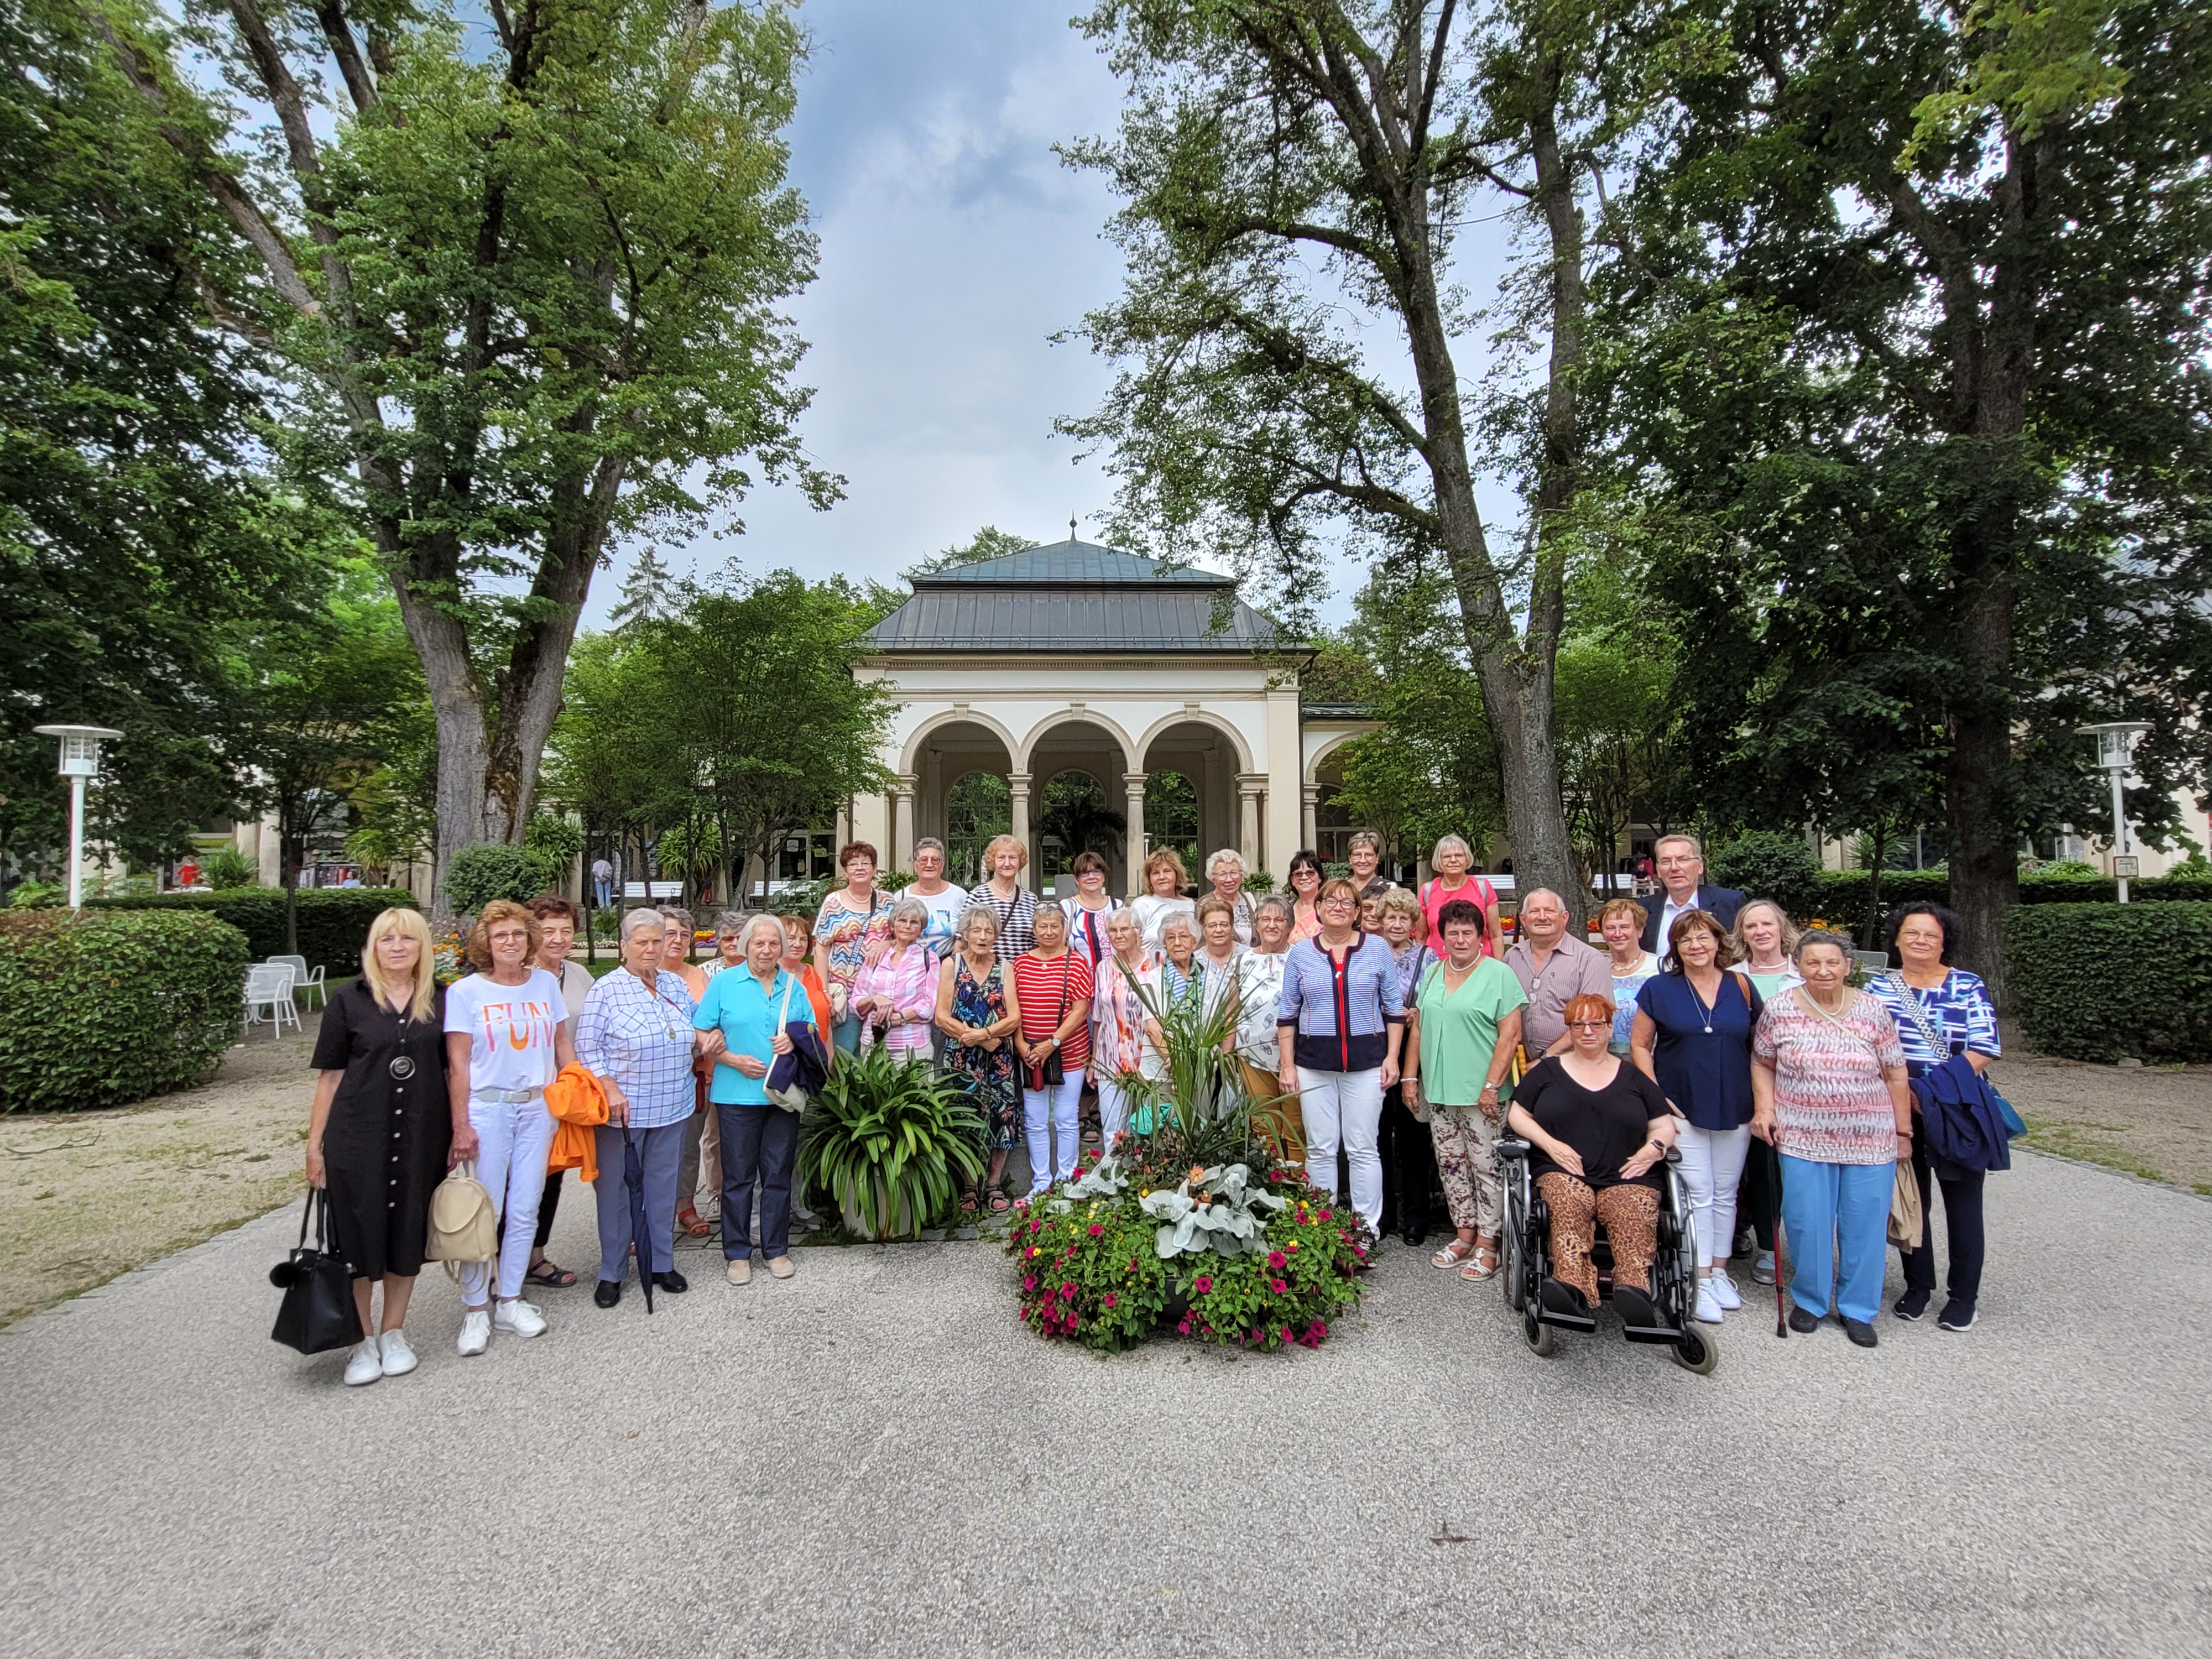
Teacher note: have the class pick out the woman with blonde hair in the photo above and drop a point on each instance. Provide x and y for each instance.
(1164, 880)
(1226, 870)
(1012, 905)
(1620, 924)
(506, 1037)
(381, 1128)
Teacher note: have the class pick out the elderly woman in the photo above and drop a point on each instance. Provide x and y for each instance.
(1259, 986)
(1828, 1071)
(1692, 1038)
(1011, 904)
(1164, 880)
(1219, 952)
(556, 937)
(896, 995)
(1126, 1040)
(1597, 1127)
(979, 1011)
(1366, 855)
(381, 1128)
(506, 1037)
(1226, 870)
(701, 1147)
(1620, 925)
(1087, 912)
(1338, 1023)
(1304, 876)
(1941, 1011)
(1052, 986)
(1464, 1025)
(854, 918)
(748, 1006)
(636, 1036)
(1180, 975)
(1451, 858)
(942, 900)
(1763, 940)
(797, 937)
(1402, 1137)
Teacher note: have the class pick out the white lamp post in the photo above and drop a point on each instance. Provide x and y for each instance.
(80, 764)
(2116, 752)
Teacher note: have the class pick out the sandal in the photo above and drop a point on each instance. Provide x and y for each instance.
(1455, 1251)
(692, 1222)
(1000, 1203)
(1485, 1265)
(552, 1278)
(969, 1203)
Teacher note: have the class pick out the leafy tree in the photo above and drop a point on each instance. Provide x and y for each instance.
(1289, 166)
(1920, 297)
(528, 284)
(988, 542)
(496, 869)
(1615, 741)
(1770, 863)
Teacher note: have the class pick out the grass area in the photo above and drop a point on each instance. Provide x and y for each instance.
(2087, 1142)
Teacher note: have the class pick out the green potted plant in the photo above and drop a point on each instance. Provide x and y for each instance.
(890, 1144)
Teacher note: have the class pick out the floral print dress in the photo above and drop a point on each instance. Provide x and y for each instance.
(989, 1072)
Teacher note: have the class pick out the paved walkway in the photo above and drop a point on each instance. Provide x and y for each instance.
(875, 1457)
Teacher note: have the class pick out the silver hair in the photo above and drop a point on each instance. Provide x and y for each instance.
(968, 920)
(1829, 936)
(1436, 852)
(1213, 860)
(643, 917)
(1677, 836)
(1178, 920)
(754, 923)
(904, 907)
(676, 915)
(729, 922)
(1272, 901)
(931, 844)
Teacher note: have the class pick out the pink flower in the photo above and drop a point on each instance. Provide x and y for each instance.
(1286, 1333)
(1067, 1290)
(1111, 1298)
(1029, 1281)
(1097, 1232)
(1277, 1286)
(1204, 1286)
(1324, 1215)
(1036, 1226)
(1183, 1326)
(1275, 1260)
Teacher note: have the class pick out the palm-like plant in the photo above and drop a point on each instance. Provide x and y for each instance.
(891, 1144)
(1201, 1104)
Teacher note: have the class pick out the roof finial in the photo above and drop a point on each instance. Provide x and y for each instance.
(1070, 528)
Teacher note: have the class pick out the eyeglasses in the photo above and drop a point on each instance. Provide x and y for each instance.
(1340, 903)
(1589, 1025)
(508, 936)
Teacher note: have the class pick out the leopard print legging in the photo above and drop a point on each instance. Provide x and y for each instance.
(1631, 1215)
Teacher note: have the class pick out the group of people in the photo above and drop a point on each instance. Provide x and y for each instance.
(1392, 1035)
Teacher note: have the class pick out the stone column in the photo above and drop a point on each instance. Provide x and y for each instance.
(1250, 786)
(1018, 790)
(1133, 785)
(1306, 825)
(901, 848)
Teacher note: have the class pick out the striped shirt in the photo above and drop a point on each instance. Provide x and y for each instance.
(1016, 918)
(1959, 1009)
(1340, 1012)
(1041, 987)
(641, 1040)
(904, 979)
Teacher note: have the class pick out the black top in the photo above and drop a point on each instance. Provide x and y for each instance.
(1604, 1126)
(390, 1128)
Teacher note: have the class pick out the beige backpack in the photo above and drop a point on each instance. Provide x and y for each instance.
(463, 1222)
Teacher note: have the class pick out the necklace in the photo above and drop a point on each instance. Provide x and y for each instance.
(1705, 1008)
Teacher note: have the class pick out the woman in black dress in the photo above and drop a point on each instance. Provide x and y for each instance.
(382, 1128)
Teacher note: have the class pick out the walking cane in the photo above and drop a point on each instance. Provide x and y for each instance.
(1774, 1224)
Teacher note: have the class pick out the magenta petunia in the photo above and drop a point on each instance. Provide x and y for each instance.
(1275, 1260)
(1277, 1285)
(1097, 1232)
(1203, 1285)
(1111, 1298)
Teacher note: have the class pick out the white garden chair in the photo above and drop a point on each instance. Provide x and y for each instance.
(305, 980)
(269, 985)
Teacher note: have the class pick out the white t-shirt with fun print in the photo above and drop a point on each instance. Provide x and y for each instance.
(510, 1028)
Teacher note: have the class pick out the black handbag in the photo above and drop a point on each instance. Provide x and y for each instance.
(318, 1313)
(1048, 1075)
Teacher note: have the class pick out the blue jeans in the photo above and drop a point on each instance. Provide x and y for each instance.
(1837, 1217)
(604, 892)
(659, 1150)
(764, 1141)
(846, 1034)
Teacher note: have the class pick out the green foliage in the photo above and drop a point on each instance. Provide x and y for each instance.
(333, 921)
(1199, 1113)
(1845, 894)
(227, 868)
(890, 1144)
(2067, 869)
(558, 838)
(492, 871)
(2098, 982)
(1769, 864)
(988, 542)
(107, 1008)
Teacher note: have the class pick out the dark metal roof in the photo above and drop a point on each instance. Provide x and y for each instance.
(1074, 597)
(1338, 711)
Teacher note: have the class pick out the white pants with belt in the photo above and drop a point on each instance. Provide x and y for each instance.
(1346, 1107)
(513, 1138)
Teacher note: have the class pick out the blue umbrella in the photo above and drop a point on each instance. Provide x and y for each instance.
(640, 1237)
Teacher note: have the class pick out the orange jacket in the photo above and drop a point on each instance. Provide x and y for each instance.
(579, 1103)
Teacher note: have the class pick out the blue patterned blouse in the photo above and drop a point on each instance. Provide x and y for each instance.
(1958, 1008)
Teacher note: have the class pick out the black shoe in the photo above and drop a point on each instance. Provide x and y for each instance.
(1415, 1236)
(1911, 1305)
(671, 1281)
(609, 1293)
(1803, 1322)
(1635, 1307)
(1860, 1333)
(1957, 1315)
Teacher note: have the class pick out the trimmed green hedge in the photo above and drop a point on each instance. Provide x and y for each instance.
(102, 1010)
(2097, 981)
(333, 920)
(1844, 892)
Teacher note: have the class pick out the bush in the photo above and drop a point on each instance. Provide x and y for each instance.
(108, 1007)
(227, 868)
(1844, 892)
(2098, 982)
(333, 921)
(891, 1145)
(558, 838)
(491, 870)
(1768, 863)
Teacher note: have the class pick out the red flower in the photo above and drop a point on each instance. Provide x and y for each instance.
(1097, 1232)
(1067, 1290)
(1204, 1286)
(1036, 1226)
(1286, 1333)
(1111, 1298)
(1029, 1282)
(1324, 1215)
(1277, 1286)
(1275, 1260)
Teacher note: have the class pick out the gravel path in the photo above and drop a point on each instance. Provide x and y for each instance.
(876, 1457)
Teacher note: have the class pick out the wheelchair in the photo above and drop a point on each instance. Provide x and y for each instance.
(1526, 1266)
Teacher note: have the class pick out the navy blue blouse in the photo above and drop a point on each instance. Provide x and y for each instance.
(1706, 1073)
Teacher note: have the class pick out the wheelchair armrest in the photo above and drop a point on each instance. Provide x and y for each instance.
(1511, 1148)
(1674, 1155)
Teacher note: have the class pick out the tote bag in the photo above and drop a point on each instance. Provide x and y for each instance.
(318, 1312)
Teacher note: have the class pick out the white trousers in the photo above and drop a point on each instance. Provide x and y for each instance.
(512, 1142)
(1113, 1112)
(1712, 1164)
(1346, 1107)
(1046, 1113)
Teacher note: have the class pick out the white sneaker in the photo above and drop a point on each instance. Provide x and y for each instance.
(476, 1332)
(1708, 1306)
(520, 1317)
(399, 1358)
(1724, 1290)
(365, 1364)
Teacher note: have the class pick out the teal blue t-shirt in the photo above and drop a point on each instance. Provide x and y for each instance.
(748, 1015)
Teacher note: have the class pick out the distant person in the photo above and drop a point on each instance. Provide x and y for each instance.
(381, 1129)
(603, 882)
(1305, 877)
(188, 874)
(1452, 859)
(1681, 866)
(1366, 856)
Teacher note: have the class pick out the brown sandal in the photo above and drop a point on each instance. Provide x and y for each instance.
(1455, 1250)
(692, 1222)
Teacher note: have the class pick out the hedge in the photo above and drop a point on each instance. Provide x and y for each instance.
(2098, 982)
(333, 920)
(1844, 892)
(101, 1010)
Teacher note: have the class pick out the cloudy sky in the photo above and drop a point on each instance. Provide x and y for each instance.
(953, 244)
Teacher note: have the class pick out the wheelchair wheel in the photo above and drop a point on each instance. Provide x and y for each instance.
(1516, 1270)
(1540, 1337)
(1696, 1352)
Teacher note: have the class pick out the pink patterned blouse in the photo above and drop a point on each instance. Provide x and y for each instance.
(1118, 1016)
(906, 980)
(1830, 1102)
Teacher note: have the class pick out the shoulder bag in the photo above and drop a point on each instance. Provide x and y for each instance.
(1048, 1075)
(1944, 1049)
(792, 1097)
(318, 1312)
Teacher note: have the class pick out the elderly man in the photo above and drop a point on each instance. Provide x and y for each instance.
(1553, 970)
(1681, 864)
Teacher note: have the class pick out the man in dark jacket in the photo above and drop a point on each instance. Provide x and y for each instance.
(1681, 864)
